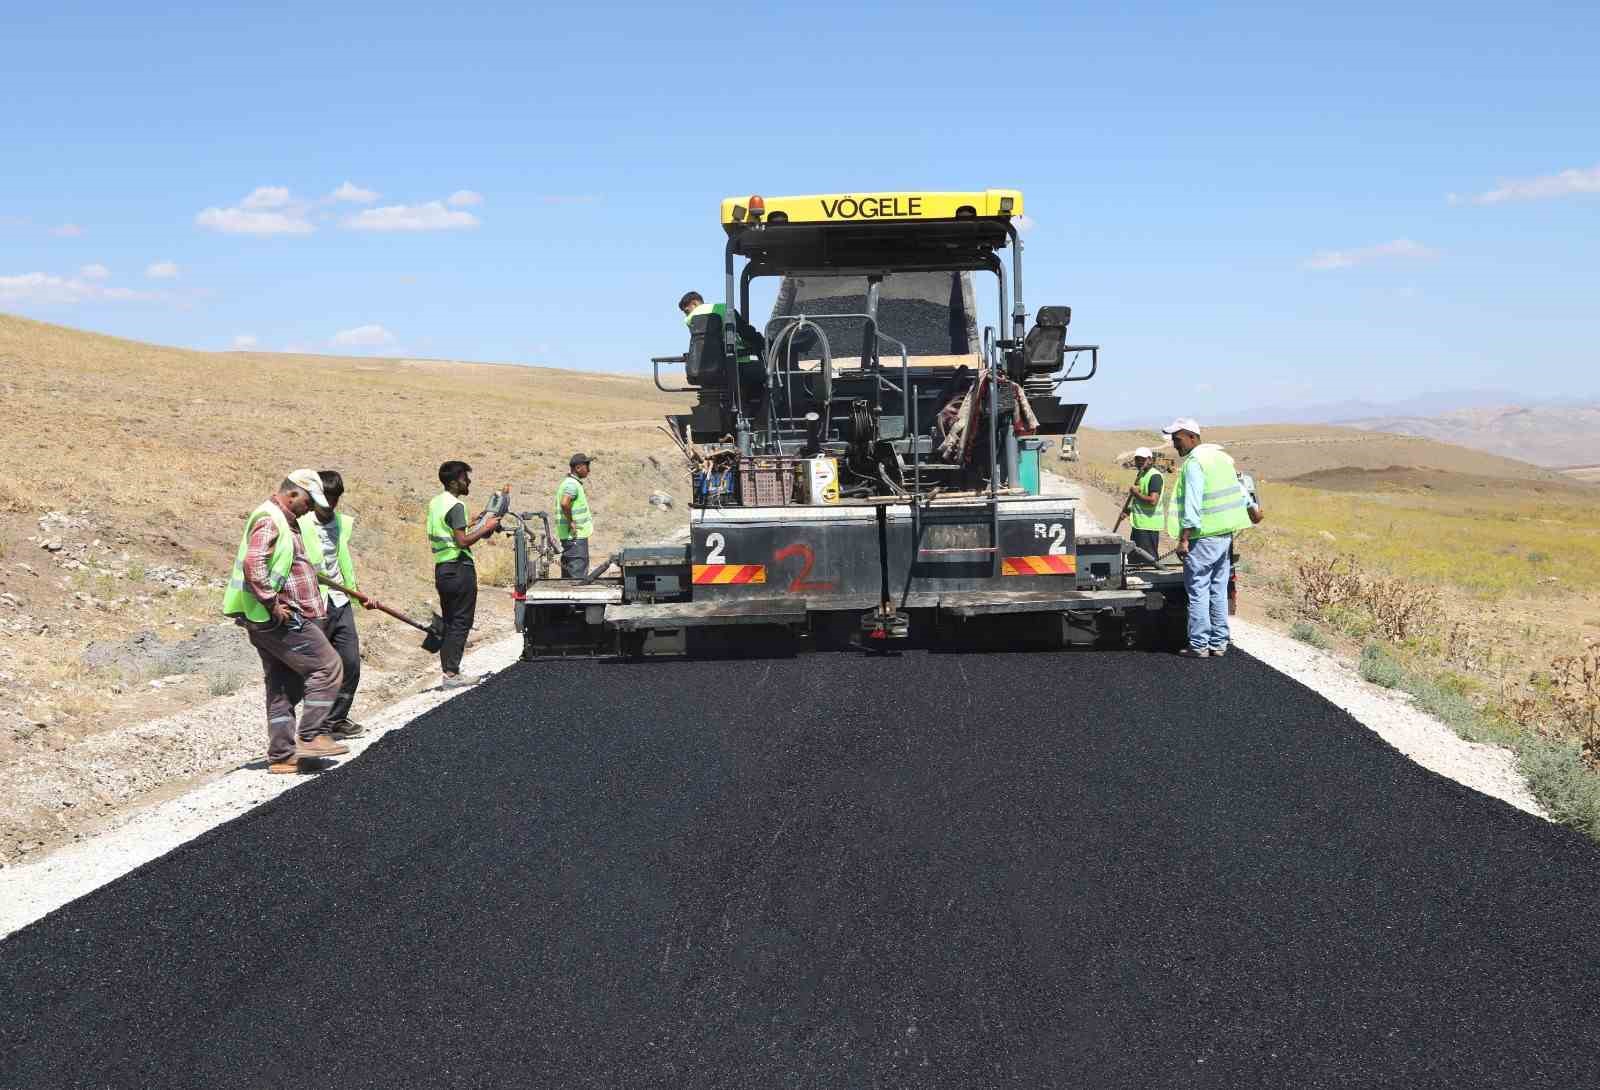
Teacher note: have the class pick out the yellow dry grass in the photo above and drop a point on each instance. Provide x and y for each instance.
(1501, 558)
(165, 451)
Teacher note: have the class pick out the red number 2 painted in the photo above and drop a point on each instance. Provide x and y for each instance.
(800, 584)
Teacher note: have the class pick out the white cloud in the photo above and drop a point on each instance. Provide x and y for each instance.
(353, 193)
(244, 340)
(431, 216)
(96, 271)
(239, 221)
(162, 270)
(67, 230)
(1564, 183)
(1345, 259)
(363, 336)
(47, 288)
(464, 198)
(266, 196)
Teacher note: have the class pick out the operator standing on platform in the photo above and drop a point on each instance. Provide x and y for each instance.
(1208, 507)
(574, 523)
(1144, 503)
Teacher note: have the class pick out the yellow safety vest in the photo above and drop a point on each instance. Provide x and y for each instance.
(238, 599)
(1145, 516)
(341, 535)
(442, 539)
(1224, 507)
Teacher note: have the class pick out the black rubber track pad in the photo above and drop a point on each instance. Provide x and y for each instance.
(1086, 870)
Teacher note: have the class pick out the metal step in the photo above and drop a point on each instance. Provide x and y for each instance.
(947, 552)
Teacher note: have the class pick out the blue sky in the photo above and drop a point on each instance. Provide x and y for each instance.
(1244, 205)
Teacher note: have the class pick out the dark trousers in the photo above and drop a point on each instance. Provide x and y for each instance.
(295, 665)
(457, 584)
(574, 557)
(340, 628)
(1149, 541)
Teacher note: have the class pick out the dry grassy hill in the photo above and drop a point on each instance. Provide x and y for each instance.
(1279, 452)
(129, 468)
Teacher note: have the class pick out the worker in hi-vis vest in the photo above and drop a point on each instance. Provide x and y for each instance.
(273, 595)
(1144, 503)
(1208, 507)
(326, 535)
(752, 372)
(574, 522)
(455, 576)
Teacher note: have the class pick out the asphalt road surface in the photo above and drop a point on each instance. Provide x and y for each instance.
(1089, 870)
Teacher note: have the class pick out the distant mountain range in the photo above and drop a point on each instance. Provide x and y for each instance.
(1554, 432)
(1546, 435)
(1435, 403)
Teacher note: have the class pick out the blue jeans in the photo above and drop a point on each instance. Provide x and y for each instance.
(1205, 578)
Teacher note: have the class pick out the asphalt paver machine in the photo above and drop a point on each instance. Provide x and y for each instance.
(865, 466)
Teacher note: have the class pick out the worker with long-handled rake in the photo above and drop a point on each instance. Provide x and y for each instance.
(326, 536)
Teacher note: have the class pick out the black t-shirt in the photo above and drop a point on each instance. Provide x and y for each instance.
(1155, 484)
(456, 519)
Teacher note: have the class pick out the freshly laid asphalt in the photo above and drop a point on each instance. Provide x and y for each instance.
(1088, 870)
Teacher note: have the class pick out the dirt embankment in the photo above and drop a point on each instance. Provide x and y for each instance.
(137, 466)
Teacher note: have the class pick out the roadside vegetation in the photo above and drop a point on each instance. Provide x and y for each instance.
(1479, 598)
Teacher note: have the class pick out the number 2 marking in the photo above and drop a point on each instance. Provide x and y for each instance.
(1058, 539)
(799, 584)
(714, 546)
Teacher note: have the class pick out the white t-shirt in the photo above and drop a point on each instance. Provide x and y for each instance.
(326, 532)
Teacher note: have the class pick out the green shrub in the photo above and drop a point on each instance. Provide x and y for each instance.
(1306, 632)
(1562, 783)
(1351, 620)
(1378, 668)
(223, 682)
(1449, 704)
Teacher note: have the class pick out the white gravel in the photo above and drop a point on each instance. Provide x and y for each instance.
(31, 890)
(1390, 715)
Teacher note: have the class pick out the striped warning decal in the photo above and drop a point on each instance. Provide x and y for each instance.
(729, 573)
(1039, 565)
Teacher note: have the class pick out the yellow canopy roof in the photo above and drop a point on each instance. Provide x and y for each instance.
(861, 207)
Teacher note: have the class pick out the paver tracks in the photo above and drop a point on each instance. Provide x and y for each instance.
(942, 870)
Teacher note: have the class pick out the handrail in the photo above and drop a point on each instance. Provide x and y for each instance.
(1094, 363)
(655, 367)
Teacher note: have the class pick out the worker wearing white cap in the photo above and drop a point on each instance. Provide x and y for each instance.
(1144, 502)
(273, 594)
(1208, 507)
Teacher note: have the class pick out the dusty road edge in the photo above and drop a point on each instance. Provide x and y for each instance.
(32, 890)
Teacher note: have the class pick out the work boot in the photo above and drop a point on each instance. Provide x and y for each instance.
(457, 681)
(1218, 652)
(345, 728)
(1194, 652)
(320, 746)
(286, 767)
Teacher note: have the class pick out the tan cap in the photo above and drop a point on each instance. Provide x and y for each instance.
(311, 481)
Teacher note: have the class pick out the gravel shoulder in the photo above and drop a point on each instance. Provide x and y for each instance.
(34, 889)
